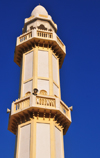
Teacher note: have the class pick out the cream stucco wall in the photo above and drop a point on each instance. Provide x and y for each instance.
(55, 69)
(40, 69)
(43, 66)
(43, 85)
(43, 140)
(19, 94)
(28, 72)
(24, 142)
(39, 138)
(27, 87)
(55, 90)
(15, 146)
(58, 143)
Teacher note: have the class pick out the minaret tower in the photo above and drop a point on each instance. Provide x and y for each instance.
(39, 118)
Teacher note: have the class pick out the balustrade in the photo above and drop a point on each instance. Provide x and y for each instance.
(45, 101)
(60, 42)
(41, 101)
(20, 105)
(64, 108)
(44, 34)
(25, 37)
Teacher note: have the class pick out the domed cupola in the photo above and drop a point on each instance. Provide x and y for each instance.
(39, 10)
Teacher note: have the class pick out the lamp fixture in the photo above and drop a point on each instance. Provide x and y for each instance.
(35, 90)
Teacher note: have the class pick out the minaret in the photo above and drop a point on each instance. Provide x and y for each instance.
(39, 118)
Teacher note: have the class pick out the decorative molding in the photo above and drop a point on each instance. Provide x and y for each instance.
(49, 29)
(43, 92)
(44, 16)
(27, 94)
(42, 27)
(31, 27)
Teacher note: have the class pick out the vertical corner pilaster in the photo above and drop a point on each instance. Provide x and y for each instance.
(35, 67)
(50, 73)
(52, 137)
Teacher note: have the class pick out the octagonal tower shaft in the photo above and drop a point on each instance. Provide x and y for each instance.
(39, 121)
(40, 69)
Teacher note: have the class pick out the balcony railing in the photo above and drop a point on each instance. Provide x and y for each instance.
(42, 34)
(25, 37)
(64, 109)
(21, 104)
(60, 42)
(40, 101)
(43, 101)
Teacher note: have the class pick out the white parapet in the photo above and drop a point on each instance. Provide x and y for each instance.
(41, 102)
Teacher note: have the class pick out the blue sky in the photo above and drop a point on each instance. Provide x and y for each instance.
(79, 28)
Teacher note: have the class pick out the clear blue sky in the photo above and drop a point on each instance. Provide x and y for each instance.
(79, 28)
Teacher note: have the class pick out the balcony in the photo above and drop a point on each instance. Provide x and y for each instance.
(41, 34)
(40, 104)
(39, 37)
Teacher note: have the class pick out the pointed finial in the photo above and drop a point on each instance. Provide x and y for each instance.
(39, 3)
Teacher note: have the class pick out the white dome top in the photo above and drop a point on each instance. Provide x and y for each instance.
(39, 10)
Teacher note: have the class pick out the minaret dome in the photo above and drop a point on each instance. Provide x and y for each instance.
(39, 10)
